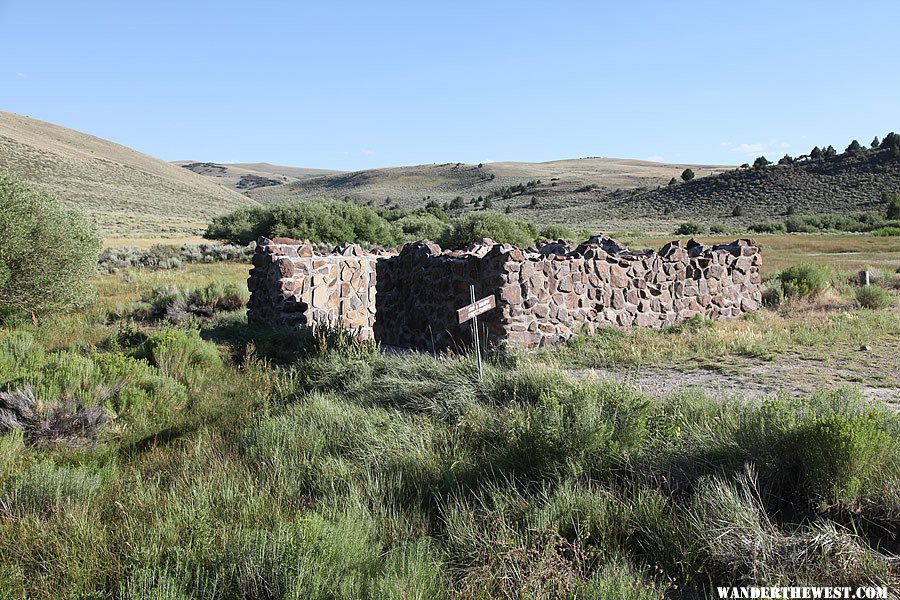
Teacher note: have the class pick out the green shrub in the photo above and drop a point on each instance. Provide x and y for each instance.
(833, 447)
(718, 228)
(872, 296)
(886, 232)
(135, 391)
(328, 222)
(557, 232)
(857, 222)
(690, 228)
(218, 296)
(840, 454)
(574, 428)
(420, 227)
(159, 303)
(180, 353)
(893, 206)
(146, 391)
(487, 224)
(48, 254)
(767, 227)
(177, 305)
(773, 294)
(804, 280)
(19, 351)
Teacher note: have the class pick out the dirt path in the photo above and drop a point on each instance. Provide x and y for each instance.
(874, 372)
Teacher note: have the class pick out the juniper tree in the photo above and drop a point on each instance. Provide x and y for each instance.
(761, 162)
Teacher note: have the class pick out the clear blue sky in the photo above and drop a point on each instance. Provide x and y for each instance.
(351, 85)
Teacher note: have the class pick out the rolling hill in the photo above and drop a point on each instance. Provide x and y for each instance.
(128, 193)
(604, 194)
(243, 177)
(593, 192)
(132, 195)
(841, 184)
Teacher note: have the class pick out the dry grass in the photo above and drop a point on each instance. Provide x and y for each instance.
(118, 290)
(129, 194)
(146, 242)
(230, 174)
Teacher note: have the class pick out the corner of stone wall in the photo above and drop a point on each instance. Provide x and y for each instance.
(292, 284)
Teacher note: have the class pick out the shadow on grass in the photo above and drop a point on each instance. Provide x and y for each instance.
(278, 345)
(160, 438)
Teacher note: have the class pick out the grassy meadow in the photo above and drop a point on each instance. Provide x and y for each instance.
(253, 463)
(844, 252)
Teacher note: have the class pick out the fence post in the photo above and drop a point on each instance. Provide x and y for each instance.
(475, 336)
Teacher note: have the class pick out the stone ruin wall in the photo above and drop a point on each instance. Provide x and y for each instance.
(290, 284)
(544, 296)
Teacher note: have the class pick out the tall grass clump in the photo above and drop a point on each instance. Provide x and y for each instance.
(736, 540)
(46, 487)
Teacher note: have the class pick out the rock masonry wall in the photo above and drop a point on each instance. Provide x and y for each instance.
(544, 296)
(291, 284)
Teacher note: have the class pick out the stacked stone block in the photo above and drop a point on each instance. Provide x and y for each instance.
(544, 295)
(290, 284)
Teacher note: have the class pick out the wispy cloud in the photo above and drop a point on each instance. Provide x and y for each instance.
(749, 149)
(655, 158)
(368, 152)
(756, 148)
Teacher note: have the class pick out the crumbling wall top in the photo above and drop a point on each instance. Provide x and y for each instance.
(598, 246)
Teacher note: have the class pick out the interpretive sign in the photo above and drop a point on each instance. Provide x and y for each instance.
(471, 311)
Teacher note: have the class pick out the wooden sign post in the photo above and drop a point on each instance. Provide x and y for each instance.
(471, 312)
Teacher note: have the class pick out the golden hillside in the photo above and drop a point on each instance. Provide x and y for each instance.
(128, 193)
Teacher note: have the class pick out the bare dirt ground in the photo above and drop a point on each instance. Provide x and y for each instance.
(874, 372)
